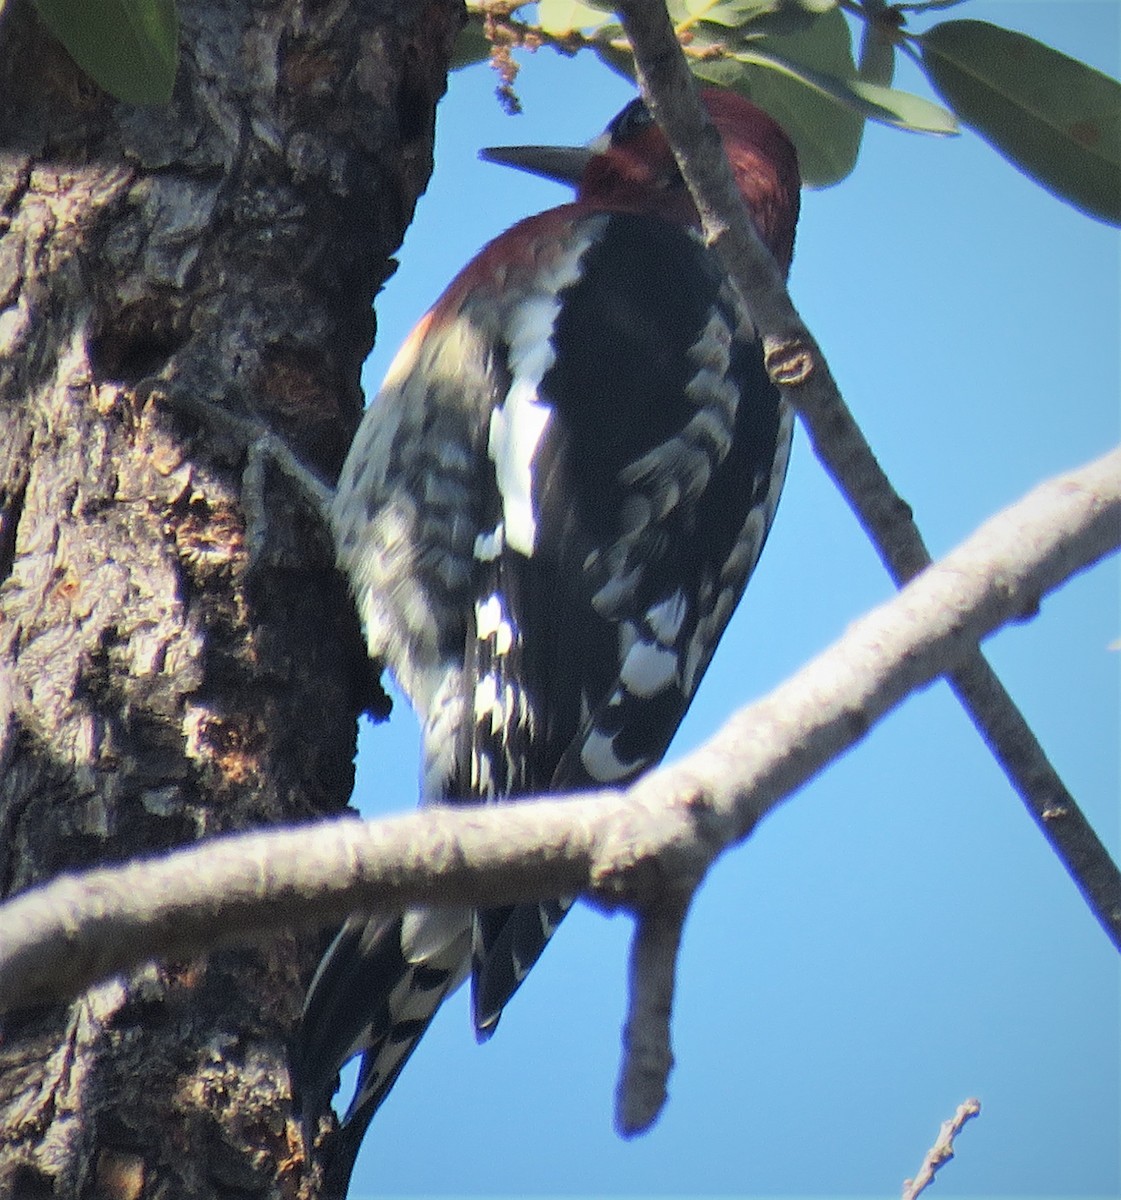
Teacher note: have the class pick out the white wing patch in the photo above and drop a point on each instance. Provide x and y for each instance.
(648, 669)
(519, 422)
(497, 706)
(600, 760)
(649, 657)
(491, 623)
(516, 428)
(488, 546)
(615, 592)
(665, 618)
(487, 703)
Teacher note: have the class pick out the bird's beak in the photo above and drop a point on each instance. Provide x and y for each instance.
(565, 164)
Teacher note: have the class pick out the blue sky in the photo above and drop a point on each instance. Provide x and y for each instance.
(897, 937)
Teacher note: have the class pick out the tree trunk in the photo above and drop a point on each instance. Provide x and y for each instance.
(155, 686)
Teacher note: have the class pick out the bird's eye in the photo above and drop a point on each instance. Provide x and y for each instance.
(633, 119)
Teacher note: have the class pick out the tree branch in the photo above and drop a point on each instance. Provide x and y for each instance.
(795, 359)
(942, 1151)
(647, 1054)
(627, 848)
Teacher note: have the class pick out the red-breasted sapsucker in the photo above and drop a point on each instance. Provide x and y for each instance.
(547, 516)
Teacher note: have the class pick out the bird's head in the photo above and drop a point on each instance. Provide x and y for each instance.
(630, 167)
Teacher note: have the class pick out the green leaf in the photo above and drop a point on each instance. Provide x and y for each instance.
(826, 134)
(563, 16)
(787, 17)
(620, 61)
(754, 18)
(885, 104)
(733, 14)
(877, 51)
(129, 47)
(1054, 117)
(471, 46)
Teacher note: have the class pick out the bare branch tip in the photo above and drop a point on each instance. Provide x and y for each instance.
(943, 1149)
(647, 1052)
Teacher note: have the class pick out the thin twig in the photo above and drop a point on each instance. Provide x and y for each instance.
(846, 455)
(647, 1054)
(942, 1151)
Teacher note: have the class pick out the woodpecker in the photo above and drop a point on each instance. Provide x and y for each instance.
(547, 516)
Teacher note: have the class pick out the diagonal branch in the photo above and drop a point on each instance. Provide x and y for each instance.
(942, 1151)
(630, 848)
(795, 359)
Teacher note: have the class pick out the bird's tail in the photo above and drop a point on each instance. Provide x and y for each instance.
(375, 993)
(506, 942)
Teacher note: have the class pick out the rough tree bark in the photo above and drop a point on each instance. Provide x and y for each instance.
(154, 688)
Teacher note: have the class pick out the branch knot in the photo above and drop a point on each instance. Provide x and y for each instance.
(789, 361)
